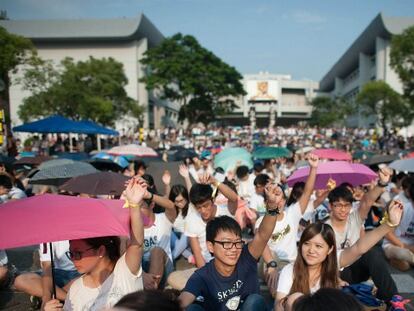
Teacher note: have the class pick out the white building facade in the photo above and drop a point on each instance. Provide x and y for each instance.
(125, 40)
(367, 59)
(271, 100)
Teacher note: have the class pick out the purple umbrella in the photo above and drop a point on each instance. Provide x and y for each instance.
(340, 171)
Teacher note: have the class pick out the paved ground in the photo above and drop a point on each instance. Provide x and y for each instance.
(24, 260)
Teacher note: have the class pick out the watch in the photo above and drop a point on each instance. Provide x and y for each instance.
(271, 264)
(381, 184)
(273, 212)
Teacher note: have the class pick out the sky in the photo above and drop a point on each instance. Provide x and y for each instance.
(300, 38)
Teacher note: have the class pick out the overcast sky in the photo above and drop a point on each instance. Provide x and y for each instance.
(301, 38)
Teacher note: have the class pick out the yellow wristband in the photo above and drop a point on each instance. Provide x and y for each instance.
(130, 205)
(386, 220)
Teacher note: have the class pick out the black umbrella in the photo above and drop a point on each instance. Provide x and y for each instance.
(380, 158)
(105, 165)
(101, 183)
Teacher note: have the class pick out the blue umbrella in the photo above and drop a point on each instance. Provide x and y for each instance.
(99, 129)
(228, 158)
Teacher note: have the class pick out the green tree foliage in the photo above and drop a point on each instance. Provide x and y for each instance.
(14, 51)
(379, 99)
(180, 69)
(327, 111)
(92, 89)
(402, 60)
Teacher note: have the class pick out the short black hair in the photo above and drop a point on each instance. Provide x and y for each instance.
(258, 167)
(242, 171)
(153, 299)
(261, 180)
(5, 181)
(200, 193)
(341, 193)
(222, 223)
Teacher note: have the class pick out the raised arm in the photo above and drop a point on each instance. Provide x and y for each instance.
(351, 254)
(134, 194)
(224, 189)
(166, 179)
(310, 182)
(273, 199)
(371, 196)
(185, 173)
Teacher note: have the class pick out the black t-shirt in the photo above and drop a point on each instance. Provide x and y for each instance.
(225, 293)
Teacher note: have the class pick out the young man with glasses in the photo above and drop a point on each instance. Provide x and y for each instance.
(347, 223)
(230, 281)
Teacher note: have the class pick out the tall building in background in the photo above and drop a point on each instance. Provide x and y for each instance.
(124, 39)
(271, 100)
(367, 59)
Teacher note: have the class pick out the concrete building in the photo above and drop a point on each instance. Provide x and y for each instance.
(124, 39)
(367, 59)
(272, 100)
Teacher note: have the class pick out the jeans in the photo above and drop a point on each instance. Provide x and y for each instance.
(372, 264)
(253, 302)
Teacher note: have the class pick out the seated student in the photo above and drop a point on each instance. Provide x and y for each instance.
(7, 190)
(281, 248)
(229, 281)
(399, 245)
(107, 276)
(245, 182)
(318, 260)
(41, 285)
(347, 224)
(201, 196)
(257, 198)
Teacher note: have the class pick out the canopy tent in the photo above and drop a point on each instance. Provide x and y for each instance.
(59, 124)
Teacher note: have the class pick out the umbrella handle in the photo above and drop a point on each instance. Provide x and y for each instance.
(53, 271)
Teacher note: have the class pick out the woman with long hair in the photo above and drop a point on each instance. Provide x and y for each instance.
(318, 262)
(106, 275)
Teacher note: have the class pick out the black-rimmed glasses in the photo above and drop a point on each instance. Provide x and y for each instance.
(229, 245)
(77, 255)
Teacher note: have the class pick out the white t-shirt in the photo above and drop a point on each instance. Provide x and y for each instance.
(195, 227)
(282, 243)
(179, 222)
(14, 194)
(405, 231)
(352, 231)
(159, 234)
(60, 260)
(286, 278)
(118, 284)
(246, 188)
(257, 203)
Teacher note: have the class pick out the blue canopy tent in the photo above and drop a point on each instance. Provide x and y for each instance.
(59, 124)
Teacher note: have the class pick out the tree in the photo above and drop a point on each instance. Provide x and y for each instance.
(92, 89)
(15, 50)
(379, 99)
(180, 69)
(327, 111)
(402, 60)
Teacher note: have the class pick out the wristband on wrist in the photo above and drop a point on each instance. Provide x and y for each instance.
(386, 220)
(271, 264)
(381, 184)
(273, 212)
(130, 205)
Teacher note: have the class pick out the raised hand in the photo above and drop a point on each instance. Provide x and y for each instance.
(385, 175)
(166, 178)
(313, 160)
(395, 211)
(331, 184)
(183, 171)
(206, 179)
(135, 191)
(274, 195)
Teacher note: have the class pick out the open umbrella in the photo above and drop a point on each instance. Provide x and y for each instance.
(133, 150)
(228, 158)
(120, 160)
(101, 183)
(57, 175)
(362, 154)
(340, 171)
(271, 153)
(405, 165)
(182, 154)
(332, 154)
(379, 159)
(50, 218)
(105, 165)
(32, 160)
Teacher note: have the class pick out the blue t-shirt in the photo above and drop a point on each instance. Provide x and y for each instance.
(225, 293)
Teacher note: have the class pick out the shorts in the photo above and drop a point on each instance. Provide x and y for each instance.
(63, 277)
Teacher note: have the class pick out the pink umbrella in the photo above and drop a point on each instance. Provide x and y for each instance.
(49, 218)
(134, 150)
(333, 154)
(340, 171)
